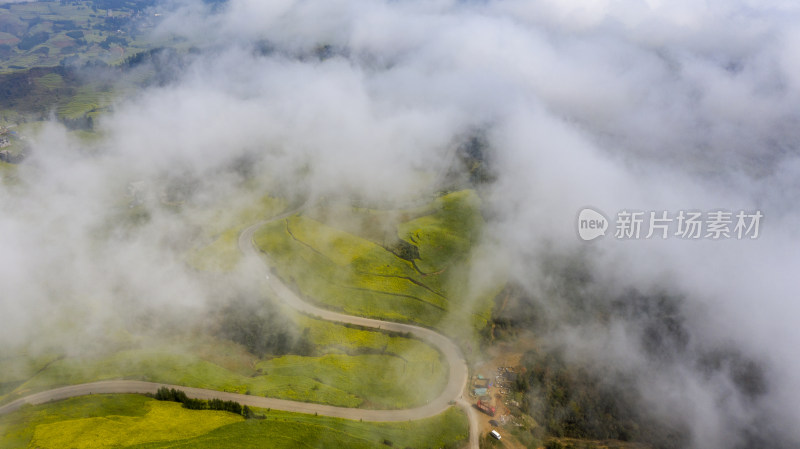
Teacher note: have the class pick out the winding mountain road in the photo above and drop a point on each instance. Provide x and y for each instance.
(457, 380)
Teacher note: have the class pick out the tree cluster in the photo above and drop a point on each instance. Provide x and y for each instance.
(29, 41)
(403, 250)
(113, 40)
(19, 90)
(258, 326)
(572, 402)
(170, 394)
(173, 395)
(570, 399)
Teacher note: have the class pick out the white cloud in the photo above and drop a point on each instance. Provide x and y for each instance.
(616, 104)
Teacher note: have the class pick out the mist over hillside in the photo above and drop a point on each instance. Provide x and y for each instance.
(637, 106)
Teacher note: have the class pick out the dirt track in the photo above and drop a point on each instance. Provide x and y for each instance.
(457, 379)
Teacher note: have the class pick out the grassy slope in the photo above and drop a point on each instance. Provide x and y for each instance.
(16, 369)
(8, 174)
(358, 275)
(221, 255)
(355, 368)
(352, 367)
(329, 273)
(220, 251)
(162, 422)
(388, 380)
(105, 421)
(16, 429)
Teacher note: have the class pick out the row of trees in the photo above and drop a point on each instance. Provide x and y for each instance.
(173, 395)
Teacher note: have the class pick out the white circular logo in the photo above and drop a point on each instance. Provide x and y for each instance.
(591, 224)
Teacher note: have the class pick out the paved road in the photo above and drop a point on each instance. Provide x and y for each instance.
(456, 384)
(474, 423)
(135, 386)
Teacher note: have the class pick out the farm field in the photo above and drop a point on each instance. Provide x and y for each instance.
(51, 33)
(134, 421)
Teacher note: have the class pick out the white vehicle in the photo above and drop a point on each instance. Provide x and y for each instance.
(495, 434)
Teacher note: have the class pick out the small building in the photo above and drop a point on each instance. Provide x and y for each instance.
(481, 383)
(480, 391)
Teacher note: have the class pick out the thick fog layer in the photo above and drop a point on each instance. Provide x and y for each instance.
(627, 105)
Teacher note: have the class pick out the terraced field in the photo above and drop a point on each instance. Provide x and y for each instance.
(48, 33)
(133, 421)
(88, 101)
